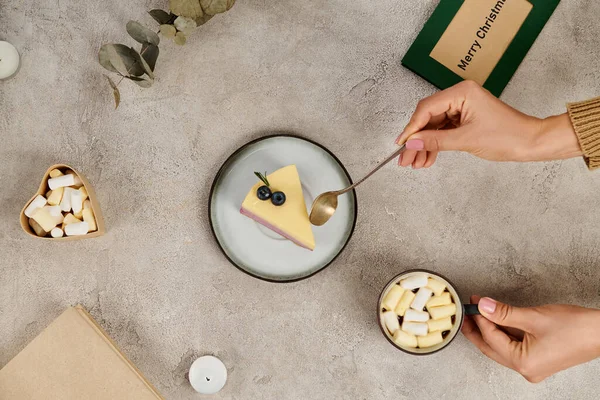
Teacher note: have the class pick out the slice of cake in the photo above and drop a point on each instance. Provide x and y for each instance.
(277, 202)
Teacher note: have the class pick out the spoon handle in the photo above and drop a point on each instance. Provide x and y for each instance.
(377, 168)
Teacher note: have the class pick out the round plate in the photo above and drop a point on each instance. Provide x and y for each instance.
(259, 251)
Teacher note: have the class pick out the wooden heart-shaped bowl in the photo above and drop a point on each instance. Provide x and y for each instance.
(91, 196)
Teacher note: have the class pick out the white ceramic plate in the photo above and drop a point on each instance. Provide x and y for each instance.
(259, 251)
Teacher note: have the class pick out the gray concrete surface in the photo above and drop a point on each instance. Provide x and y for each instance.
(327, 70)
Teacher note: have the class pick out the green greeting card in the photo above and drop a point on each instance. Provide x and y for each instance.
(481, 40)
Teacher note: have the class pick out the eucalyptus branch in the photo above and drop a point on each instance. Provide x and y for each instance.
(138, 67)
(130, 68)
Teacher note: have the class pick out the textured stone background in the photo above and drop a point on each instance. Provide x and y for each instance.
(327, 70)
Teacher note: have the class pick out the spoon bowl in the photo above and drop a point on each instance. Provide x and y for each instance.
(326, 203)
(323, 208)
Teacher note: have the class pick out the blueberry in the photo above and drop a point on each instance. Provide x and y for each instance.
(278, 198)
(263, 193)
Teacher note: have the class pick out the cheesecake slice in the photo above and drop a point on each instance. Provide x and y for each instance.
(290, 219)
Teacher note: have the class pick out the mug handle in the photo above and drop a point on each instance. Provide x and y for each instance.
(471, 309)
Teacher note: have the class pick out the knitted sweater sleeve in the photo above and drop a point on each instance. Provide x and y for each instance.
(585, 117)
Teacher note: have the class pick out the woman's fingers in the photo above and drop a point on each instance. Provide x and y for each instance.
(431, 157)
(407, 158)
(513, 333)
(524, 319)
(436, 122)
(420, 160)
(505, 347)
(447, 101)
(472, 333)
(425, 159)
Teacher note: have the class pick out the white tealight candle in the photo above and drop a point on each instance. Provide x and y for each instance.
(208, 375)
(9, 60)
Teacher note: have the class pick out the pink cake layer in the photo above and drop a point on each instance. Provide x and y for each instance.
(261, 221)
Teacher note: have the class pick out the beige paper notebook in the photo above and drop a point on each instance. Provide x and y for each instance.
(73, 359)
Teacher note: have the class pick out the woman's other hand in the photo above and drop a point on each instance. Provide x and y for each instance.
(538, 341)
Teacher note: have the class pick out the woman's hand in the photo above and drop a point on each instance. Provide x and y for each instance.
(538, 341)
(468, 118)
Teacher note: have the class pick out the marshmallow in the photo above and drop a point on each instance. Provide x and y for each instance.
(442, 311)
(437, 287)
(416, 316)
(55, 196)
(84, 193)
(391, 299)
(37, 228)
(391, 321)
(55, 173)
(70, 219)
(77, 229)
(61, 181)
(60, 219)
(44, 219)
(444, 324)
(54, 211)
(56, 233)
(88, 216)
(87, 205)
(76, 180)
(76, 201)
(441, 300)
(415, 328)
(404, 302)
(421, 299)
(65, 203)
(414, 282)
(38, 202)
(404, 339)
(430, 340)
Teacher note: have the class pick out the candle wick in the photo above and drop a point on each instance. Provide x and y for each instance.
(207, 379)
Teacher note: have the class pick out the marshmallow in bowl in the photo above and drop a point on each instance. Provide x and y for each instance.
(414, 282)
(393, 297)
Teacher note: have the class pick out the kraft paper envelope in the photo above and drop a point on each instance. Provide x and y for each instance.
(73, 359)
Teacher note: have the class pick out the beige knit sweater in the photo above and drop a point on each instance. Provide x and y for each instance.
(585, 117)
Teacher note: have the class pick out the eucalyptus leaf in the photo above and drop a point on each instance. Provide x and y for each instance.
(186, 8)
(185, 25)
(110, 58)
(213, 7)
(203, 19)
(129, 57)
(142, 34)
(143, 82)
(122, 58)
(180, 38)
(116, 92)
(104, 59)
(168, 31)
(160, 16)
(141, 61)
(150, 54)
